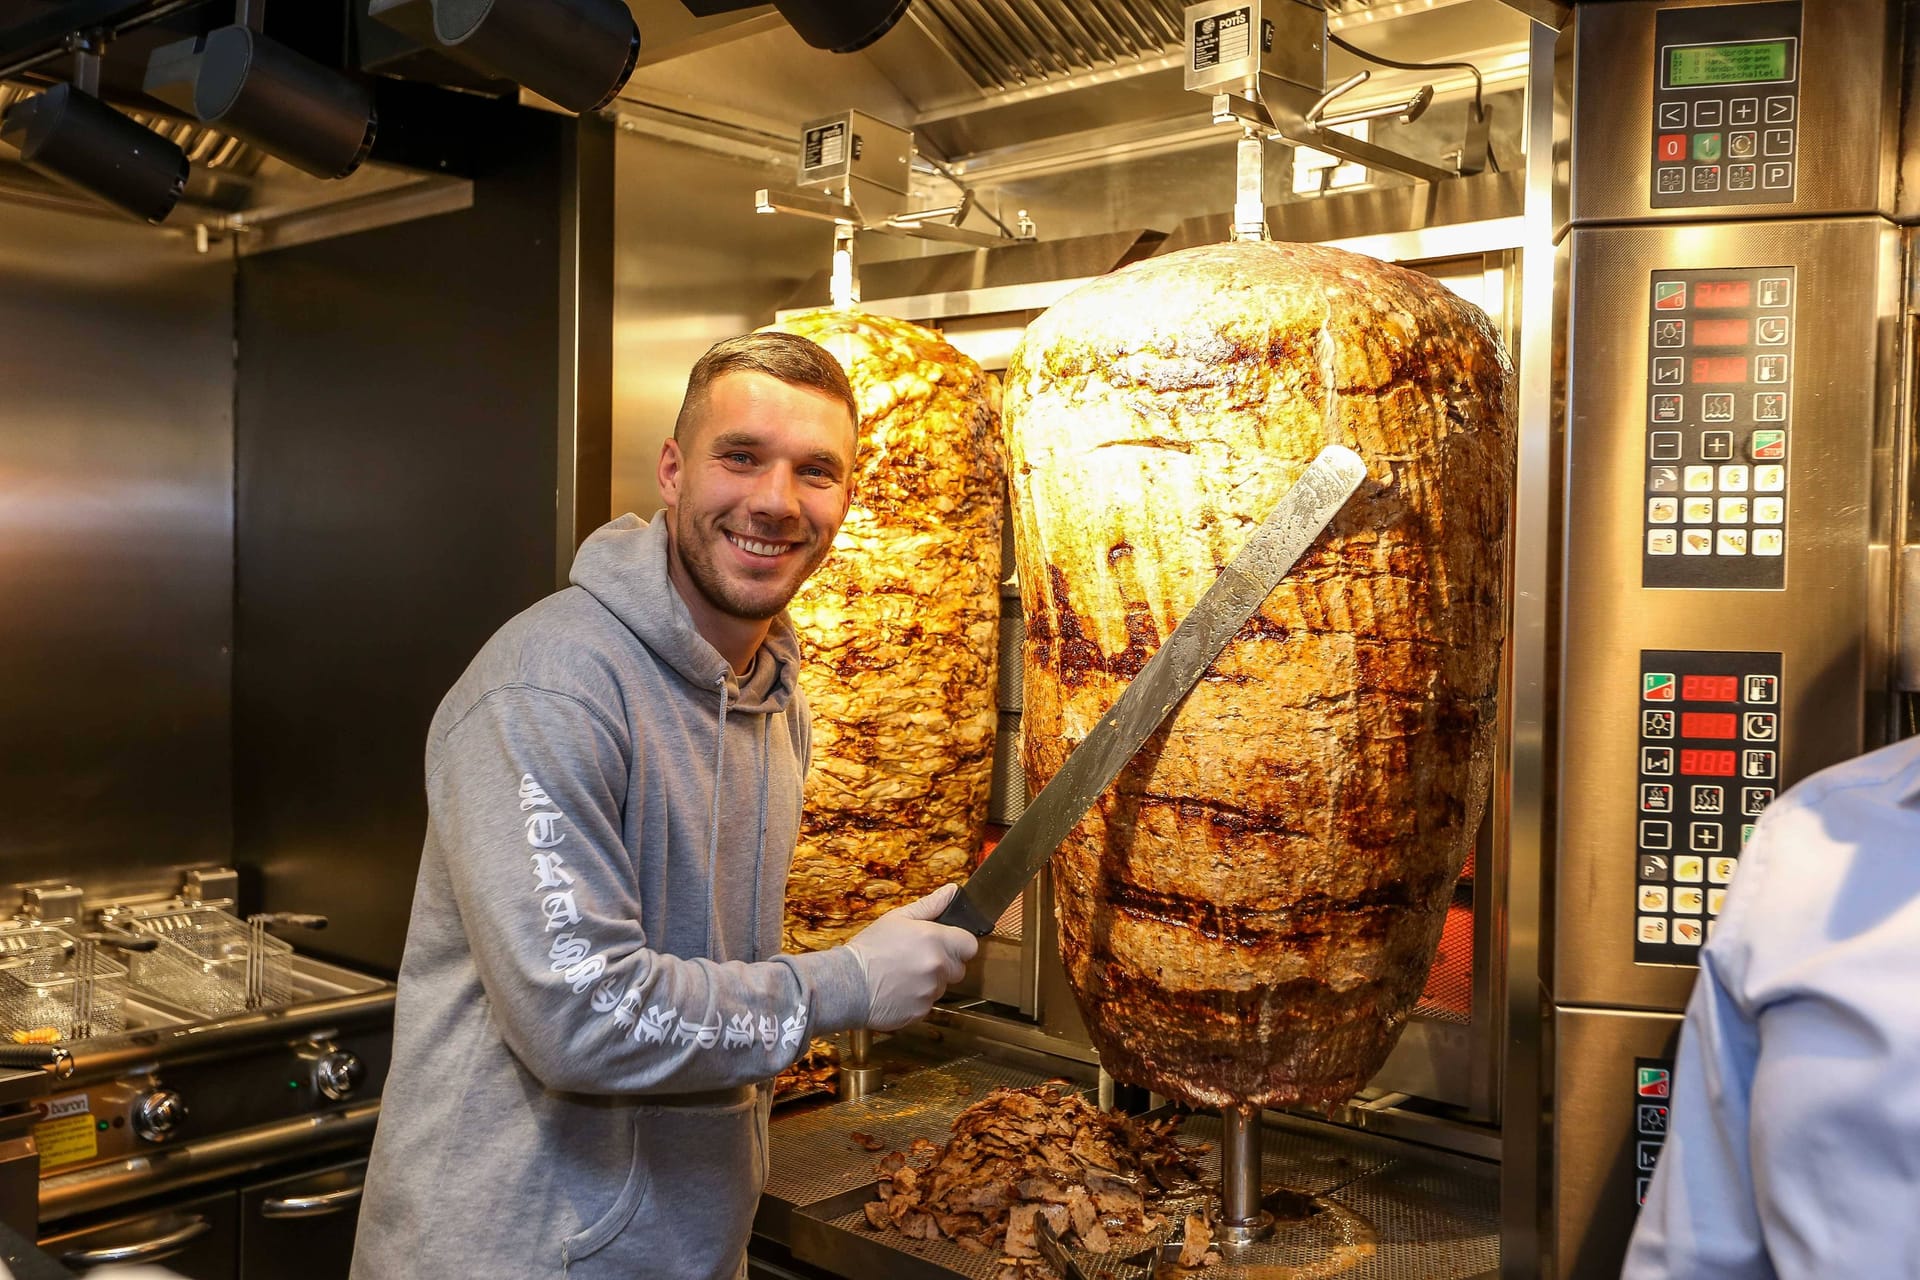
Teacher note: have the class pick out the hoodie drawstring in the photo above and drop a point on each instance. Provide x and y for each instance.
(760, 850)
(713, 818)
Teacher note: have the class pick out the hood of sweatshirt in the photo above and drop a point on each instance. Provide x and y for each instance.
(623, 565)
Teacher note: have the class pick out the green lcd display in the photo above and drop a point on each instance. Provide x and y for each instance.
(1750, 62)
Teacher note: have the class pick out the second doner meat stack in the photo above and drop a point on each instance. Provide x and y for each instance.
(900, 632)
(1249, 912)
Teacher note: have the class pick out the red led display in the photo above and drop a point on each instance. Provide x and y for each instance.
(1709, 724)
(1721, 333)
(1711, 294)
(1707, 764)
(1710, 688)
(1711, 369)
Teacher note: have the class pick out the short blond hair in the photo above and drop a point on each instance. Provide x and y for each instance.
(789, 357)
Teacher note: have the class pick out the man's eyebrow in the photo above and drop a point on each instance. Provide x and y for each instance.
(734, 439)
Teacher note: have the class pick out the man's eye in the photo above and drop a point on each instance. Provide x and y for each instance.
(739, 459)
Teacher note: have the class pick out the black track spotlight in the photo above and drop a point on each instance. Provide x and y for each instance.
(237, 80)
(575, 53)
(838, 26)
(71, 135)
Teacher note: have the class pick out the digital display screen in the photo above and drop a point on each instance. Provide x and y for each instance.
(1707, 764)
(1719, 368)
(1710, 688)
(1749, 62)
(1709, 724)
(1721, 333)
(1711, 295)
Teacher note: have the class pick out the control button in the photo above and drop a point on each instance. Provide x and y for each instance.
(1670, 181)
(1720, 870)
(1769, 406)
(1768, 444)
(1657, 686)
(1670, 333)
(1650, 1117)
(1759, 726)
(1653, 897)
(1655, 833)
(1742, 177)
(1665, 408)
(339, 1074)
(1770, 368)
(1716, 446)
(1664, 446)
(1746, 834)
(159, 1114)
(1702, 837)
(1668, 371)
(1671, 147)
(1743, 145)
(1716, 406)
(1656, 724)
(1780, 110)
(1655, 762)
(1669, 295)
(1706, 113)
(1690, 902)
(1769, 542)
(1743, 111)
(1706, 177)
(1733, 542)
(1775, 175)
(1771, 331)
(1663, 479)
(1673, 115)
(1662, 542)
(1757, 764)
(1733, 478)
(1688, 933)
(1754, 801)
(1696, 542)
(1716, 901)
(1776, 291)
(1761, 691)
(1769, 510)
(1652, 929)
(1656, 797)
(1690, 870)
(1653, 866)
(1769, 477)
(1706, 798)
(1698, 479)
(1698, 510)
(1706, 146)
(1733, 511)
(1662, 511)
(1779, 142)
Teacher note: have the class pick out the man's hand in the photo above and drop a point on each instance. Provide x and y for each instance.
(909, 960)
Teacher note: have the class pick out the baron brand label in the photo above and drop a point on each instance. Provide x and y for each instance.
(65, 1134)
(1225, 37)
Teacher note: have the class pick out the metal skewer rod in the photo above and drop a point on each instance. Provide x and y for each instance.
(1242, 1221)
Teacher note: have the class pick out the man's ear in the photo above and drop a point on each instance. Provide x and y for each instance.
(667, 474)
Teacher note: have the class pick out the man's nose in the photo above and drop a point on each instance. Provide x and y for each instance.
(777, 493)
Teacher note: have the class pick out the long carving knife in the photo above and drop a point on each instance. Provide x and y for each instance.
(1235, 596)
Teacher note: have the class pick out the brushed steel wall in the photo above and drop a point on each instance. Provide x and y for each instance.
(116, 518)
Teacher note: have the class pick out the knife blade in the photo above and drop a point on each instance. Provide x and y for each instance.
(1235, 596)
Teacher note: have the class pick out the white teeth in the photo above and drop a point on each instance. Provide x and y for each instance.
(757, 548)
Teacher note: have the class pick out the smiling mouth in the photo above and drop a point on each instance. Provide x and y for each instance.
(754, 546)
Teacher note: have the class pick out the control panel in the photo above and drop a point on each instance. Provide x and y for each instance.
(1709, 766)
(1652, 1094)
(1719, 394)
(1726, 105)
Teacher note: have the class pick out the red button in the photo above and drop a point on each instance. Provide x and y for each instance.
(1673, 146)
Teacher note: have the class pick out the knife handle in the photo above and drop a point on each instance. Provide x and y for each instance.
(962, 914)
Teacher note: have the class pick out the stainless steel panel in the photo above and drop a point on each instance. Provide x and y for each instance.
(1593, 1157)
(116, 522)
(1823, 623)
(1848, 128)
(301, 1227)
(207, 1232)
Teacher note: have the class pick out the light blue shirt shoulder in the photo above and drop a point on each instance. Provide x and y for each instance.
(1794, 1143)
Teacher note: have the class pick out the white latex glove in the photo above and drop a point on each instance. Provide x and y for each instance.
(909, 960)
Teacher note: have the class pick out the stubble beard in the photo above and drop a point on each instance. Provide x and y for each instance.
(695, 554)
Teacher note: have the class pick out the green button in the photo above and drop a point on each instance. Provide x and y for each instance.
(1706, 146)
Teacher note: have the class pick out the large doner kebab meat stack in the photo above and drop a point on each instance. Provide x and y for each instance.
(1248, 913)
(899, 631)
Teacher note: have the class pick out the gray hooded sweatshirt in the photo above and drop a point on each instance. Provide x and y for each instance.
(591, 992)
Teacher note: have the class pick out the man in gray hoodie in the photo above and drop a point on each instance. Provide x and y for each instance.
(592, 997)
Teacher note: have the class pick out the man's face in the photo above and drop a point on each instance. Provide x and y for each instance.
(757, 490)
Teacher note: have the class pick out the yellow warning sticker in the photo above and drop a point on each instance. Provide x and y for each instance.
(66, 1136)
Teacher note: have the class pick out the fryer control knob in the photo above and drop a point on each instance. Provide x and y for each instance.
(159, 1114)
(339, 1073)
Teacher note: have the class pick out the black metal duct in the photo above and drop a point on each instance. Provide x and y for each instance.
(576, 53)
(839, 26)
(73, 136)
(262, 92)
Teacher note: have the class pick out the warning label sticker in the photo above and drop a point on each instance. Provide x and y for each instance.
(68, 1140)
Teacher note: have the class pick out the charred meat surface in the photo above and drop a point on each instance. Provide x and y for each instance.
(900, 632)
(1249, 912)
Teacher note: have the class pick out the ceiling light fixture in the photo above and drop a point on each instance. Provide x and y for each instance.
(574, 53)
